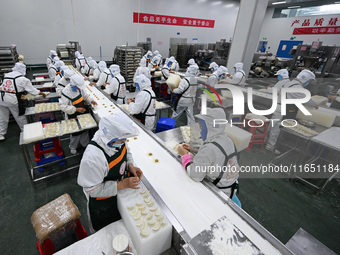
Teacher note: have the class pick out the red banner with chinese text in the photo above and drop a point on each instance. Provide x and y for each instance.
(147, 18)
(316, 30)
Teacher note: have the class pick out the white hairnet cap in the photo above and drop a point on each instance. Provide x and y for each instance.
(156, 52)
(102, 65)
(222, 70)
(156, 59)
(88, 59)
(306, 75)
(117, 126)
(77, 80)
(115, 69)
(77, 54)
(93, 64)
(283, 72)
(142, 81)
(53, 52)
(55, 59)
(59, 63)
(191, 61)
(213, 66)
(20, 67)
(172, 58)
(142, 62)
(68, 73)
(238, 66)
(192, 70)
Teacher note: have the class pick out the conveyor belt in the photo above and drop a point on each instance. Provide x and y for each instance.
(193, 205)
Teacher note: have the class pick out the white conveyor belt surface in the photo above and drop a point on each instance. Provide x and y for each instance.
(193, 205)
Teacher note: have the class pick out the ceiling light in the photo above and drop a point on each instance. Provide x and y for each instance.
(290, 7)
(283, 2)
(216, 3)
(228, 5)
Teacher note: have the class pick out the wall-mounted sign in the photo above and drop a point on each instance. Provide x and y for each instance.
(316, 30)
(147, 18)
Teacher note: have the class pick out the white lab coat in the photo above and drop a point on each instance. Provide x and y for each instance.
(86, 70)
(210, 155)
(213, 80)
(67, 107)
(274, 130)
(9, 102)
(80, 62)
(238, 78)
(280, 84)
(175, 66)
(165, 72)
(48, 61)
(113, 88)
(141, 102)
(52, 72)
(104, 77)
(62, 83)
(142, 70)
(95, 75)
(187, 101)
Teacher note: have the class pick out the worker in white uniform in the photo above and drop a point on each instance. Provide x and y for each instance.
(63, 82)
(154, 65)
(148, 57)
(156, 53)
(54, 68)
(72, 102)
(166, 69)
(302, 80)
(142, 69)
(116, 88)
(49, 59)
(80, 60)
(216, 159)
(216, 77)
(186, 95)
(283, 77)
(213, 68)
(105, 167)
(143, 107)
(12, 88)
(94, 72)
(86, 69)
(239, 77)
(60, 65)
(104, 77)
(175, 66)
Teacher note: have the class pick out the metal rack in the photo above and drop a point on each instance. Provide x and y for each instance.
(8, 58)
(128, 57)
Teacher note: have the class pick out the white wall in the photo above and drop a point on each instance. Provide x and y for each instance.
(37, 26)
(279, 29)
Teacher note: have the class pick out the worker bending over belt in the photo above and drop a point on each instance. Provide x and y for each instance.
(217, 158)
(104, 169)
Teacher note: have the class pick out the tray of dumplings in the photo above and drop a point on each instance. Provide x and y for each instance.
(46, 107)
(190, 133)
(69, 126)
(52, 129)
(86, 121)
(144, 220)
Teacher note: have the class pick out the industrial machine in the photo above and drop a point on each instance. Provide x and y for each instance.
(8, 58)
(66, 52)
(146, 46)
(319, 58)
